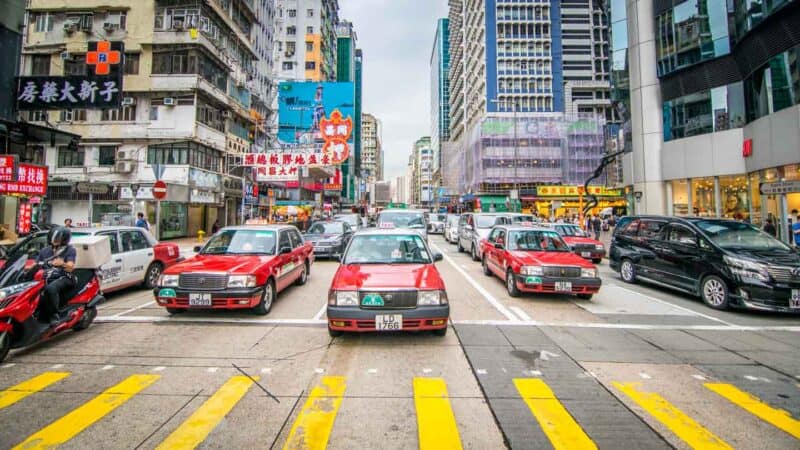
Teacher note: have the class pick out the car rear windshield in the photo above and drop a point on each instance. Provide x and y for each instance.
(402, 220)
(327, 228)
(387, 249)
(351, 219)
(732, 235)
(522, 219)
(486, 221)
(241, 242)
(570, 230)
(536, 240)
(439, 217)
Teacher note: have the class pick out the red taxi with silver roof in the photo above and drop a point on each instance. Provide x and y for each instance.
(579, 241)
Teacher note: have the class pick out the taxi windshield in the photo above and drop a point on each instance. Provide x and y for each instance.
(387, 249)
(326, 228)
(402, 219)
(351, 219)
(241, 242)
(570, 230)
(536, 240)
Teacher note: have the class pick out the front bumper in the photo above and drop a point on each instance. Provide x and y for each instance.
(349, 318)
(592, 254)
(227, 299)
(327, 251)
(764, 296)
(548, 285)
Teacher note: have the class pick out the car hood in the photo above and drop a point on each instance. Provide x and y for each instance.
(233, 264)
(768, 257)
(321, 237)
(383, 276)
(532, 258)
(580, 240)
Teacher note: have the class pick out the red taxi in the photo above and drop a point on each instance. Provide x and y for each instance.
(240, 267)
(580, 242)
(387, 281)
(536, 259)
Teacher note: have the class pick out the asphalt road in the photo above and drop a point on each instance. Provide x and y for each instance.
(635, 367)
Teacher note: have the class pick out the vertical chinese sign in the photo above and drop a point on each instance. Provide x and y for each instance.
(24, 222)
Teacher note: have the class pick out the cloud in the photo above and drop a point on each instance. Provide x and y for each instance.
(396, 37)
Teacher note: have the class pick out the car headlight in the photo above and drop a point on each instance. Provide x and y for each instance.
(588, 273)
(343, 298)
(599, 247)
(168, 281)
(531, 270)
(747, 269)
(431, 298)
(241, 281)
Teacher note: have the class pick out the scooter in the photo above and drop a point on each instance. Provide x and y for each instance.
(19, 301)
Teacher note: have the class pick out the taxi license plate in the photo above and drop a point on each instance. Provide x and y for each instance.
(388, 322)
(563, 286)
(199, 299)
(794, 301)
(586, 254)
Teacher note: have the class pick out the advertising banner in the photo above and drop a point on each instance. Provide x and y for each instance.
(7, 165)
(31, 180)
(305, 107)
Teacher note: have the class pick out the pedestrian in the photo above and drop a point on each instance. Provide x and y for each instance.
(596, 224)
(68, 223)
(770, 229)
(141, 222)
(215, 227)
(796, 231)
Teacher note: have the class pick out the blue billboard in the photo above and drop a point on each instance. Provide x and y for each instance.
(303, 105)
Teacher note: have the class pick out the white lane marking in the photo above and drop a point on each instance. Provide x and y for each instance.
(319, 370)
(481, 371)
(212, 369)
(9, 365)
(533, 373)
(663, 302)
(266, 370)
(463, 265)
(426, 370)
(56, 366)
(321, 311)
(522, 314)
(158, 369)
(544, 355)
(489, 297)
(107, 367)
(697, 376)
(645, 376)
(372, 371)
(145, 305)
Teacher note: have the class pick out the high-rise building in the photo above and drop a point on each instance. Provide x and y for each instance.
(305, 39)
(371, 163)
(193, 88)
(440, 96)
(422, 169)
(348, 68)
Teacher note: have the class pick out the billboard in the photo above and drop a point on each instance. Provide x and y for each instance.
(304, 109)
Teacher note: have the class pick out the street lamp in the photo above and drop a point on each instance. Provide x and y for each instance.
(515, 103)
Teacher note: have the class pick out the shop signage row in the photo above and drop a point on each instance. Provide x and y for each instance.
(556, 191)
(198, 196)
(30, 180)
(202, 179)
(779, 187)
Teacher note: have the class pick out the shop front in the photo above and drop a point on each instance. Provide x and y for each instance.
(776, 196)
(566, 201)
(728, 196)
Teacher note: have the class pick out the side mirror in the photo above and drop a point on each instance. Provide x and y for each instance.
(197, 248)
(285, 250)
(437, 257)
(690, 241)
(498, 245)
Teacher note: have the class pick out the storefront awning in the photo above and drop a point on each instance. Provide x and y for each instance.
(37, 133)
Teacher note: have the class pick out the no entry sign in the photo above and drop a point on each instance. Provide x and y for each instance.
(160, 190)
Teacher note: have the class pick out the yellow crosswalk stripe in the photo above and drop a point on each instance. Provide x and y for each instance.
(673, 418)
(196, 428)
(555, 420)
(435, 420)
(16, 393)
(69, 426)
(777, 417)
(314, 424)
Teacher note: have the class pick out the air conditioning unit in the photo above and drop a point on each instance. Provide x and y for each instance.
(125, 155)
(127, 101)
(66, 56)
(170, 101)
(124, 166)
(109, 27)
(70, 27)
(177, 25)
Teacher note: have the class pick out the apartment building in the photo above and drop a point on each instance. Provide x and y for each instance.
(305, 39)
(440, 96)
(371, 163)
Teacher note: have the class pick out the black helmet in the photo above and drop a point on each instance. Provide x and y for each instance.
(59, 235)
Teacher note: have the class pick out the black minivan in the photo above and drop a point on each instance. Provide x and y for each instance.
(726, 262)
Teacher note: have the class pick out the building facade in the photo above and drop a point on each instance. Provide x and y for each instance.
(348, 68)
(371, 163)
(194, 92)
(305, 39)
(715, 106)
(422, 169)
(440, 97)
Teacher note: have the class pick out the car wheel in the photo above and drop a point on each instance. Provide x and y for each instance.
(597, 260)
(334, 333)
(86, 320)
(627, 271)
(5, 345)
(174, 311)
(440, 331)
(585, 296)
(460, 248)
(303, 275)
(152, 274)
(485, 265)
(474, 253)
(714, 292)
(263, 307)
(511, 284)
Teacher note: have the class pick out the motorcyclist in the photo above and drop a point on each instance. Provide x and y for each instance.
(59, 259)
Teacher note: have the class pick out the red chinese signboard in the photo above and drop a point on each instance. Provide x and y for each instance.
(334, 183)
(25, 213)
(7, 165)
(747, 148)
(336, 131)
(31, 180)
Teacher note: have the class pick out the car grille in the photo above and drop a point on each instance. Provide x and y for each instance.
(783, 274)
(391, 299)
(583, 247)
(202, 281)
(562, 272)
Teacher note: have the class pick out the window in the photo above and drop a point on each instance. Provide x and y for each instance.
(678, 234)
(72, 115)
(116, 19)
(107, 155)
(40, 65)
(292, 12)
(291, 31)
(297, 241)
(113, 240)
(131, 66)
(309, 46)
(70, 158)
(153, 113)
(37, 116)
(133, 240)
(632, 229)
(290, 48)
(309, 30)
(311, 65)
(210, 116)
(284, 241)
(309, 13)
(651, 229)
(42, 22)
(126, 114)
(288, 65)
(75, 66)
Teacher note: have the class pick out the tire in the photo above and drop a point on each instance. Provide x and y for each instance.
(714, 292)
(173, 311)
(585, 296)
(303, 279)
(597, 261)
(86, 320)
(511, 284)
(627, 271)
(5, 345)
(485, 265)
(267, 299)
(151, 276)
(474, 253)
(440, 332)
(334, 333)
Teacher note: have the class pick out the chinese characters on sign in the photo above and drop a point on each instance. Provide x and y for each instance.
(31, 180)
(336, 132)
(25, 214)
(550, 191)
(284, 166)
(7, 165)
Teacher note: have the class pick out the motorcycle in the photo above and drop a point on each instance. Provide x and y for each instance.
(20, 295)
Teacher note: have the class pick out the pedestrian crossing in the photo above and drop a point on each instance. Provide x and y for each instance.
(437, 422)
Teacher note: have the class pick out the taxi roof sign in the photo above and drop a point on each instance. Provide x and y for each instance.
(527, 224)
(387, 225)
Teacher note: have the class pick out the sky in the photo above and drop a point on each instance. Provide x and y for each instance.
(396, 37)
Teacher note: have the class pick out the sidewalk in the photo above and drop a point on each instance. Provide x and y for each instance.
(187, 244)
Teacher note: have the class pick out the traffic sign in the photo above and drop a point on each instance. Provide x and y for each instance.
(160, 190)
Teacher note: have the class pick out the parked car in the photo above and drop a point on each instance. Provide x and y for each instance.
(473, 227)
(436, 223)
(388, 281)
(136, 256)
(726, 263)
(536, 259)
(329, 238)
(580, 241)
(451, 228)
(354, 220)
(403, 218)
(239, 268)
